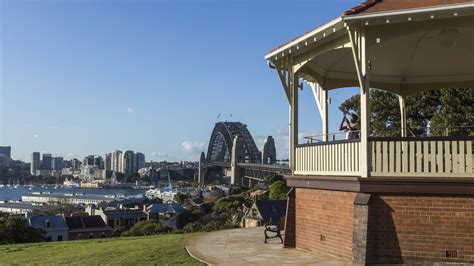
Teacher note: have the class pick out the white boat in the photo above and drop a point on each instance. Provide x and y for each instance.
(70, 184)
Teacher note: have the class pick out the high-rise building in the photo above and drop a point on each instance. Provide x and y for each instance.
(57, 163)
(140, 159)
(35, 162)
(99, 162)
(46, 162)
(76, 164)
(108, 161)
(127, 162)
(6, 151)
(116, 161)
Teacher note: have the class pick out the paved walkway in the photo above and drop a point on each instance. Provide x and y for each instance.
(245, 246)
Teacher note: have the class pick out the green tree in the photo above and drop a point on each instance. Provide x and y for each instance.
(278, 191)
(147, 228)
(181, 197)
(15, 230)
(436, 109)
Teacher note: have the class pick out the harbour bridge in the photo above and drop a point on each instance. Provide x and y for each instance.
(233, 151)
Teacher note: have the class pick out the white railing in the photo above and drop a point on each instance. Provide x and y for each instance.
(328, 158)
(430, 156)
(391, 157)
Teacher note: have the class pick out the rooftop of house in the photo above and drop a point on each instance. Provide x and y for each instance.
(165, 208)
(123, 213)
(40, 222)
(85, 222)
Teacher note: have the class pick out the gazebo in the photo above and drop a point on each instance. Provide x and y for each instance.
(374, 199)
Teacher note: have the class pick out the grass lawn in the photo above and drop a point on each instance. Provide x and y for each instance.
(162, 250)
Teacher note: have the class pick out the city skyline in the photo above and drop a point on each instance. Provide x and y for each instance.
(95, 83)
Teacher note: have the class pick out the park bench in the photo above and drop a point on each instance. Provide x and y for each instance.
(273, 230)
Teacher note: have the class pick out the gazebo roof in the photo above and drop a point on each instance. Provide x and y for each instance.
(413, 46)
(374, 6)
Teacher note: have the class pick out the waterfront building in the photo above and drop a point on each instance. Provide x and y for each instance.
(140, 158)
(54, 226)
(116, 161)
(73, 198)
(87, 227)
(57, 163)
(35, 162)
(128, 162)
(88, 160)
(76, 164)
(99, 162)
(17, 207)
(108, 161)
(6, 151)
(46, 162)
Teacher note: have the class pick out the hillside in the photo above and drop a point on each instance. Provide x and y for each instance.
(163, 250)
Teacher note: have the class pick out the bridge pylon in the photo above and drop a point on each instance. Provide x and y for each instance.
(238, 153)
(202, 170)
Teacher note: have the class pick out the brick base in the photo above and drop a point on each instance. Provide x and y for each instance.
(390, 228)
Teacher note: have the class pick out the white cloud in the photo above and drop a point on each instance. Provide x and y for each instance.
(192, 149)
(130, 110)
(36, 136)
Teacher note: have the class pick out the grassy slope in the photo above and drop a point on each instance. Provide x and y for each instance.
(163, 250)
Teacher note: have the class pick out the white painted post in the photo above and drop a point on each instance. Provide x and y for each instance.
(324, 114)
(293, 84)
(403, 116)
(364, 152)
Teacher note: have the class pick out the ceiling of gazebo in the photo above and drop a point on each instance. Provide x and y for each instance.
(405, 57)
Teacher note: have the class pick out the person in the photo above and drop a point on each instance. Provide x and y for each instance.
(351, 127)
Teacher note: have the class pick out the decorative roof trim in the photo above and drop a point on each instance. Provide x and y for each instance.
(303, 37)
(408, 11)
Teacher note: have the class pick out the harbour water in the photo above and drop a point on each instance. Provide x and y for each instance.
(15, 193)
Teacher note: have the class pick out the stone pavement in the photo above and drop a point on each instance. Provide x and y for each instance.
(245, 246)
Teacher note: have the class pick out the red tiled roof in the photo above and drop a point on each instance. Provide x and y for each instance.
(373, 6)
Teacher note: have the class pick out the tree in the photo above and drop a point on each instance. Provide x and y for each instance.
(15, 230)
(147, 228)
(180, 197)
(436, 109)
(278, 191)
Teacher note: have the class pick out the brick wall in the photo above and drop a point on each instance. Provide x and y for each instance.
(324, 221)
(404, 228)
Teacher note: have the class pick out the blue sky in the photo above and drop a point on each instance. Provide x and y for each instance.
(88, 77)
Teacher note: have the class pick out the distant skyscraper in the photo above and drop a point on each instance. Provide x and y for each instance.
(57, 163)
(99, 162)
(6, 151)
(108, 161)
(127, 162)
(46, 162)
(117, 161)
(76, 164)
(35, 162)
(140, 158)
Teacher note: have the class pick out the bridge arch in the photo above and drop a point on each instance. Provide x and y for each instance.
(221, 142)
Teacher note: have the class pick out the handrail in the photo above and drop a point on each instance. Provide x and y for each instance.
(312, 138)
(434, 138)
(328, 142)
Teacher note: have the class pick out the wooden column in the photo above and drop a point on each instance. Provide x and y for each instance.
(293, 84)
(364, 107)
(324, 114)
(403, 116)
(361, 61)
